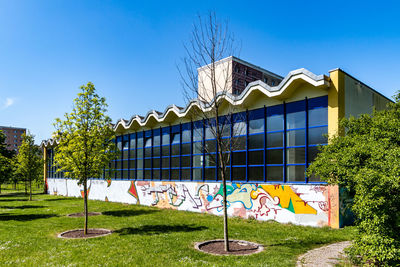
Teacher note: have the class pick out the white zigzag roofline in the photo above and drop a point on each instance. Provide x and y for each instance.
(269, 91)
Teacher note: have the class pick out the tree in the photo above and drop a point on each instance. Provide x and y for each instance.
(85, 146)
(29, 161)
(203, 79)
(366, 161)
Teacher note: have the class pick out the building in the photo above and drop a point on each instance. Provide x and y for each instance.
(13, 136)
(162, 162)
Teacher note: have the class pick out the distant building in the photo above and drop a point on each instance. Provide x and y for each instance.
(13, 136)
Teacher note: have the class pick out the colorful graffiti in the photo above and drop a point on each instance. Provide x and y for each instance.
(299, 204)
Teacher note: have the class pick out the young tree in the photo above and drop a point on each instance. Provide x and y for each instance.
(29, 161)
(206, 80)
(85, 146)
(366, 161)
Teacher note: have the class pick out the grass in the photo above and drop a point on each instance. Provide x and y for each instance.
(143, 236)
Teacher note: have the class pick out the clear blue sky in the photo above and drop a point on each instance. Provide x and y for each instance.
(129, 49)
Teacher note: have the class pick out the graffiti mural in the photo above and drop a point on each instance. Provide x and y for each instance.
(298, 204)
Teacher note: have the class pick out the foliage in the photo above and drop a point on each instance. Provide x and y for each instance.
(85, 146)
(6, 161)
(367, 162)
(29, 161)
(143, 236)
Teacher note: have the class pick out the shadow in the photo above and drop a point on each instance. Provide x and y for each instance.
(24, 217)
(18, 194)
(127, 213)
(57, 199)
(22, 207)
(159, 229)
(14, 199)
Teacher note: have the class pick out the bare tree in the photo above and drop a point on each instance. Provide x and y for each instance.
(207, 78)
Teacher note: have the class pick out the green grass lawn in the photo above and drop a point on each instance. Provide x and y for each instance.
(143, 236)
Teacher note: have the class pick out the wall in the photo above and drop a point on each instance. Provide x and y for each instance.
(313, 205)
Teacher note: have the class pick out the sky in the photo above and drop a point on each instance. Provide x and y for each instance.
(130, 49)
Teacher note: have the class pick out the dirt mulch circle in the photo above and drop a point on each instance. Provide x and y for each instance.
(78, 233)
(236, 247)
(81, 214)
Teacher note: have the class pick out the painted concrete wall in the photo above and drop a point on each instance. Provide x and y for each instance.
(313, 205)
(360, 99)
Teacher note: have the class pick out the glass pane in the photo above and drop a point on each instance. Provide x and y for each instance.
(119, 145)
(313, 151)
(210, 160)
(225, 129)
(133, 143)
(147, 152)
(175, 162)
(318, 117)
(156, 151)
(209, 174)
(132, 174)
(256, 157)
(210, 146)
(295, 173)
(256, 126)
(197, 161)
(125, 145)
(139, 163)
(125, 154)
(165, 174)
(125, 164)
(156, 163)
(175, 150)
(296, 138)
(186, 148)
(210, 132)
(239, 174)
(317, 135)
(118, 165)
(139, 174)
(256, 141)
(147, 163)
(274, 156)
(185, 174)
(132, 164)
(296, 120)
(165, 162)
(176, 138)
(156, 140)
(275, 123)
(139, 153)
(197, 148)
(275, 139)
(140, 142)
(165, 139)
(165, 151)
(239, 143)
(197, 174)
(275, 173)
(156, 174)
(314, 178)
(186, 136)
(239, 158)
(296, 155)
(256, 173)
(175, 174)
(239, 128)
(197, 134)
(185, 161)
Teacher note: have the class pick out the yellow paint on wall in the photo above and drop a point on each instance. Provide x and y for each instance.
(335, 102)
(288, 197)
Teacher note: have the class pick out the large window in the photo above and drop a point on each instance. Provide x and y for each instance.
(273, 144)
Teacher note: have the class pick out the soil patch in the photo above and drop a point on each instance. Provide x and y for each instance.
(236, 247)
(81, 214)
(78, 233)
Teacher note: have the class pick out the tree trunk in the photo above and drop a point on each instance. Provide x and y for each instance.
(26, 188)
(226, 238)
(15, 186)
(30, 190)
(85, 208)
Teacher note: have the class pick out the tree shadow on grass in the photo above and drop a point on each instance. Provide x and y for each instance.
(57, 199)
(127, 213)
(13, 199)
(159, 229)
(22, 207)
(24, 217)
